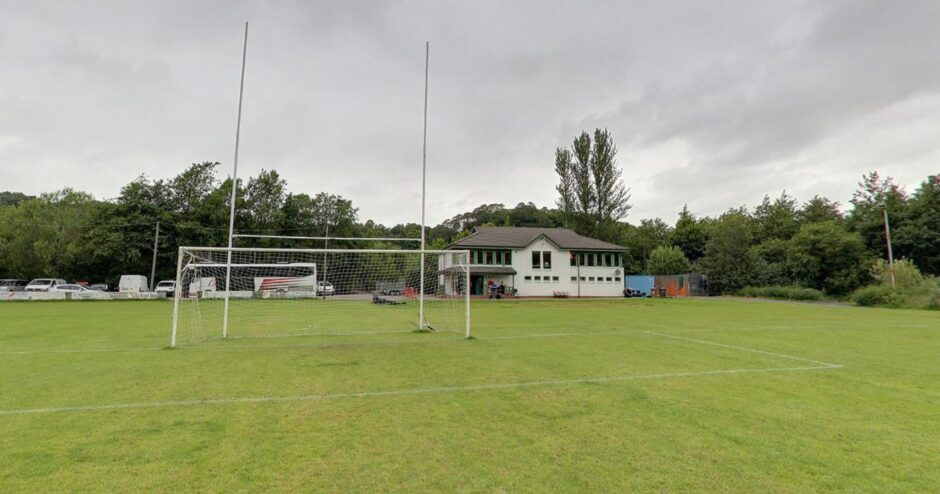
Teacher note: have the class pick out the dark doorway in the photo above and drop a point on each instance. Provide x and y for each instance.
(476, 284)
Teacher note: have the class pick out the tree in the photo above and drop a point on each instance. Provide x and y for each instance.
(826, 257)
(566, 184)
(776, 219)
(191, 187)
(689, 235)
(8, 198)
(918, 236)
(612, 198)
(866, 216)
(641, 240)
(729, 262)
(265, 195)
(592, 195)
(667, 259)
(819, 209)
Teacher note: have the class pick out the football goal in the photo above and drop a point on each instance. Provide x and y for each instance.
(248, 292)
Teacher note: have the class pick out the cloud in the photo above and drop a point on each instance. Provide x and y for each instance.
(714, 105)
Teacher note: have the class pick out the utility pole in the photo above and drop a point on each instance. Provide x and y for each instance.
(153, 265)
(884, 210)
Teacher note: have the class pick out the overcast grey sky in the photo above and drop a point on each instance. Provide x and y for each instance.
(712, 103)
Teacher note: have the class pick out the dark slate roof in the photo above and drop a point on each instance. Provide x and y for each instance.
(519, 237)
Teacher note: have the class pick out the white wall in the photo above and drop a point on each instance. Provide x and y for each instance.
(561, 267)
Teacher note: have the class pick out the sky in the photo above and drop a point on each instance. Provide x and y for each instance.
(712, 104)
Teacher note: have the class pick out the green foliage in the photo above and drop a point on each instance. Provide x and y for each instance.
(690, 235)
(906, 274)
(667, 259)
(8, 198)
(783, 292)
(729, 263)
(918, 236)
(866, 217)
(591, 190)
(777, 219)
(819, 209)
(911, 288)
(826, 257)
(874, 295)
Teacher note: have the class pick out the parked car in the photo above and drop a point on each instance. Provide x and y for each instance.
(325, 288)
(43, 284)
(167, 287)
(101, 287)
(12, 285)
(133, 283)
(71, 287)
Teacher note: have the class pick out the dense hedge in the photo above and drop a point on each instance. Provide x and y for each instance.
(782, 292)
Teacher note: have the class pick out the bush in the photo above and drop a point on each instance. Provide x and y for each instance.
(906, 274)
(873, 295)
(782, 292)
(911, 290)
(923, 296)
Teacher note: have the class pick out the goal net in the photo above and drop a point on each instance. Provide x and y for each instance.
(246, 292)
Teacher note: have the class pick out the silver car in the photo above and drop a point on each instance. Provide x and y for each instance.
(12, 285)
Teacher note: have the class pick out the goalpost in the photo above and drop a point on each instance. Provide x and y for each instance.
(283, 292)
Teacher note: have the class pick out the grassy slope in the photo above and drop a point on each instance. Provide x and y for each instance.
(871, 425)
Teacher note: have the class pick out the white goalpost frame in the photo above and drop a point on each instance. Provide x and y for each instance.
(296, 237)
(231, 217)
(228, 265)
(231, 230)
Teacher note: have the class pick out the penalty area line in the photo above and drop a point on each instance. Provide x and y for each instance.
(400, 392)
(828, 365)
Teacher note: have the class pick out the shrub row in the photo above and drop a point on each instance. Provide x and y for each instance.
(924, 296)
(782, 292)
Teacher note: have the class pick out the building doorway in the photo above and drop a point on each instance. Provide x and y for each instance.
(476, 285)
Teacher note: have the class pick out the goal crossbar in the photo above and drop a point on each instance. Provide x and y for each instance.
(250, 265)
(331, 251)
(299, 237)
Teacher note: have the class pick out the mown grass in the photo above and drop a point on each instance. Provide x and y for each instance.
(870, 425)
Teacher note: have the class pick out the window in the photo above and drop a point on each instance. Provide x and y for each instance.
(572, 258)
(536, 259)
(590, 279)
(583, 259)
(507, 257)
(489, 257)
(528, 278)
(574, 278)
(555, 279)
(583, 278)
(538, 278)
(609, 279)
(590, 259)
(617, 279)
(546, 259)
(608, 261)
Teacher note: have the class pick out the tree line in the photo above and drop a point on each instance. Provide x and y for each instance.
(814, 244)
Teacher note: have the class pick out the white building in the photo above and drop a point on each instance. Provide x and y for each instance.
(542, 262)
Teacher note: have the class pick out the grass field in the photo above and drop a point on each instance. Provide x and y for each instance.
(567, 395)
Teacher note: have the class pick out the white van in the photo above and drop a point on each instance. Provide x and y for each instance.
(133, 283)
(43, 284)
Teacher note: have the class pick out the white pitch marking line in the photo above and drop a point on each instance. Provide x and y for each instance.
(399, 392)
(746, 349)
(555, 335)
(236, 347)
